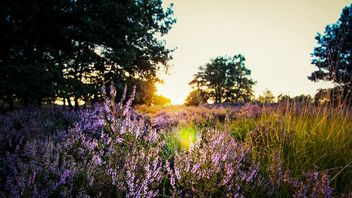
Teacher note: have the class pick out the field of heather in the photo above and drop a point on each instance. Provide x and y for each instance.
(114, 150)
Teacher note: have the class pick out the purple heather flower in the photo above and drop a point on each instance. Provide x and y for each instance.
(97, 160)
(66, 175)
(195, 168)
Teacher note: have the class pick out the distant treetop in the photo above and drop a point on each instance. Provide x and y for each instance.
(224, 79)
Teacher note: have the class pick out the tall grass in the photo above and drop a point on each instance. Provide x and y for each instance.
(306, 137)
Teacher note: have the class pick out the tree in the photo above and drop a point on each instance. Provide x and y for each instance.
(267, 97)
(333, 55)
(69, 49)
(225, 79)
(161, 100)
(196, 97)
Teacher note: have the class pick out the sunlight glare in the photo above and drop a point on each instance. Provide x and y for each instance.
(185, 137)
(173, 91)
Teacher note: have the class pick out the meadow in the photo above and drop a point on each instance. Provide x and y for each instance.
(233, 150)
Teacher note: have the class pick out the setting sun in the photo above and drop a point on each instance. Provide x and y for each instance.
(173, 90)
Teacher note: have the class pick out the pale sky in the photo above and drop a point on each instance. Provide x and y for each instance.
(275, 36)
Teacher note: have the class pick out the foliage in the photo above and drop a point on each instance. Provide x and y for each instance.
(306, 136)
(267, 97)
(196, 97)
(161, 100)
(333, 55)
(69, 49)
(225, 79)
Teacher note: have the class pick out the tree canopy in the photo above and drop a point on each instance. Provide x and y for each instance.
(225, 79)
(161, 100)
(69, 49)
(196, 97)
(333, 55)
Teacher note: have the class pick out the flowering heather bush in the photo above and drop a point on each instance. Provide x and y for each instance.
(215, 165)
(111, 150)
(107, 151)
(133, 166)
(315, 184)
(48, 167)
(311, 184)
(35, 122)
(249, 111)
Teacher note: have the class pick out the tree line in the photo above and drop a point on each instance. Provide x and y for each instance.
(67, 49)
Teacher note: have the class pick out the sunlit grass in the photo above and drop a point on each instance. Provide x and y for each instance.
(180, 138)
(320, 137)
(156, 108)
(185, 137)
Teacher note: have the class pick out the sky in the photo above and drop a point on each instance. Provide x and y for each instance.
(275, 36)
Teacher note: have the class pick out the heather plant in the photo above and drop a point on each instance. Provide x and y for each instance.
(111, 150)
(216, 164)
(108, 151)
(278, 182)
(35, 122)
(45, 167)
(18, 127)
(134, 165)
(315, 184)
(306, 138)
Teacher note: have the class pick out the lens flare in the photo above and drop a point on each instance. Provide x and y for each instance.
(185, 137)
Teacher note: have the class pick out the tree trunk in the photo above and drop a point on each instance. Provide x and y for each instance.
(10, 102)
(76, 104)
(39, 102)
(69, 103)
(64, 105)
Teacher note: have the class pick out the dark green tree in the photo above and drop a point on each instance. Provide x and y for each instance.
(27, 69)
(225, 79)
(333, 55)
(69, 49)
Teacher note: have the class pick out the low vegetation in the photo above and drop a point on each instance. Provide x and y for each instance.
(207, 151)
